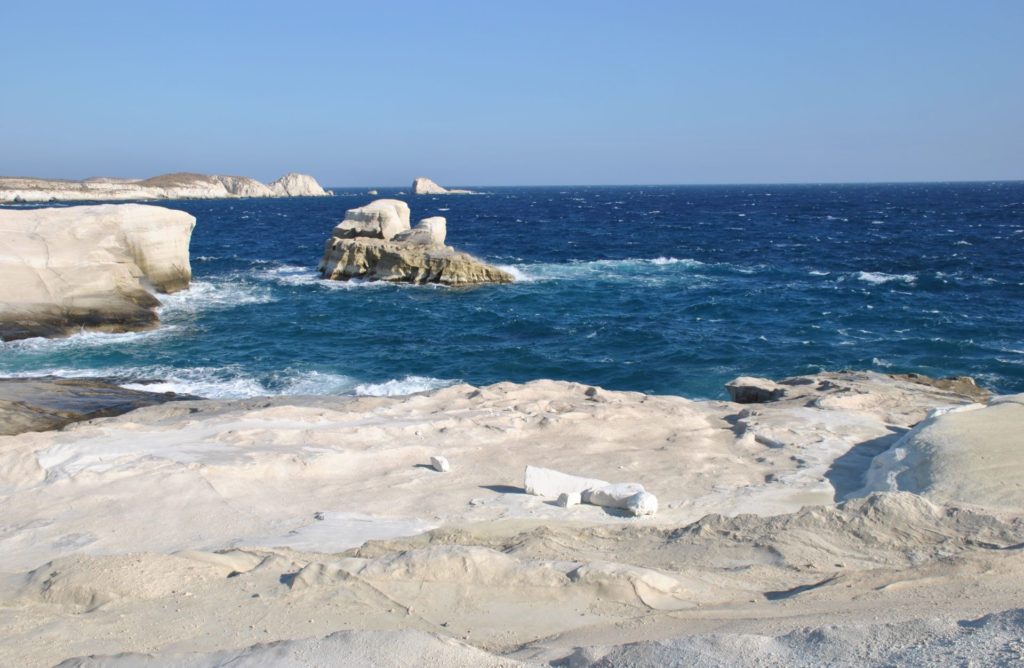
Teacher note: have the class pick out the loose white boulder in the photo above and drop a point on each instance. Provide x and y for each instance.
(628, 496)
(440, 464)
(569, 499)
(548, 482)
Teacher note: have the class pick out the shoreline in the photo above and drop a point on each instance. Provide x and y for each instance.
(318, 522)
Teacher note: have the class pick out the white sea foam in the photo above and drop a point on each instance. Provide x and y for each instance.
(407, 385)
(626, 269)
(877, 277)
(215, 295)
(85, 339)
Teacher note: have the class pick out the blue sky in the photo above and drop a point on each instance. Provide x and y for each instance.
(516, 93)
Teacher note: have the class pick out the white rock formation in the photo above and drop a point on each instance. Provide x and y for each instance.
(540, 481)
(428, 232)
(569, 499)
(751, 390)
(440, 464)
(570, 489)
(180, 185)
(628, 496)
(374, 242)
(120, 535)
(296, 185)
(380, 219)
(971, 454)
(421, 185)
(62, 269)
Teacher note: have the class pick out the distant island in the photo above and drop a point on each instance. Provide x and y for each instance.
(181, 185)
(421, 185)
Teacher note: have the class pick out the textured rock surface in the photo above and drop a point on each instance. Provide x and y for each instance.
(380, 219)
(181, 185)
(121, 535)
(297, 185)
(374, 243)
(41, 404)
(971, 454)
(428, 232)
(62, 269)
(750, 390)
(421, 185)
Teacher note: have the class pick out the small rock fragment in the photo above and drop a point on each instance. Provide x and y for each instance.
(440, 464)
(569, 499)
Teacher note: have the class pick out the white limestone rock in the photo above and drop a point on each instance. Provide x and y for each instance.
(62, 269)
(440, 464)
(179, 185)
(550, 483)
(569, 499)
(750, 390)
(421, 185)
(380, 219)
(297, 185)
(428, 232)
(628, 496)
(968, 454)
(375, 243)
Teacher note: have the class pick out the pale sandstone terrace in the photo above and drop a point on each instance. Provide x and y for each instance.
(375, 242)
(849, 519)
(95, 267)
(181, 185)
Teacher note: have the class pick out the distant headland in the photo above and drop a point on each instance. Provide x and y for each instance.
(181, 185)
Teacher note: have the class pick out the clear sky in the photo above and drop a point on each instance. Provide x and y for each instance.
(488, 93)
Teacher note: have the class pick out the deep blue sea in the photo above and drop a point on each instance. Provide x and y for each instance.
(668, 289)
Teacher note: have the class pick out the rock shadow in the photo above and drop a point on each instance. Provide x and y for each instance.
(847, 471)
(504, 489)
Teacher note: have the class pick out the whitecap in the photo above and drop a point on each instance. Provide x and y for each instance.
(878, 277)
(401, 387)
(214, 295)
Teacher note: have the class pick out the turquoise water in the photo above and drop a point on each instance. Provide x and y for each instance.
(659, 289)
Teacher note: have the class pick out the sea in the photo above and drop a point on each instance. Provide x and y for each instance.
(658, 289)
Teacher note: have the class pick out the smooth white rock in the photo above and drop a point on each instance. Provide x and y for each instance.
(428, 232)
(380, 219)
(569, 499)
(440, 464)
(628, 496)
(548, 482)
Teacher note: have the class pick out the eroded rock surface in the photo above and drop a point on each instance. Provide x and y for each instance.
(94, 267)
(375, 243)
(180, 185)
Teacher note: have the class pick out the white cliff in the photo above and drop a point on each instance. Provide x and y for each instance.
(421, 185)
(96, 267)
(182, 185)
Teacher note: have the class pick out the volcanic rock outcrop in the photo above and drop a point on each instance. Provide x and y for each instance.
(375, 243)
(182, 185)
(421, 185)
(94, 267)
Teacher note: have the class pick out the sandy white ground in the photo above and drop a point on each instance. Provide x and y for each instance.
(203, 533)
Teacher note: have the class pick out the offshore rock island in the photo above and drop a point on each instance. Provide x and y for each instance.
(375, 243)
(181, 185)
